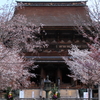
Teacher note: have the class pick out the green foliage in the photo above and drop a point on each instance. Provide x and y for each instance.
(10, 94)
(55, 93)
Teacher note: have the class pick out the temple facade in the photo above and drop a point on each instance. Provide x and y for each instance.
(59, 20)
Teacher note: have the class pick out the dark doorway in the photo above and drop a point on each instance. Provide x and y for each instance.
(51, 71)
(65, 77)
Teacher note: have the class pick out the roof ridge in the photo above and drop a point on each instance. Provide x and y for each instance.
(50, 1)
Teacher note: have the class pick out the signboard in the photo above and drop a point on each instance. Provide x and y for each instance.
(85, 95)
(21, 94)
(32, 94)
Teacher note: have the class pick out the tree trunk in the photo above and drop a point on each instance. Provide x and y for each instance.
(99, 92)
(89, 91)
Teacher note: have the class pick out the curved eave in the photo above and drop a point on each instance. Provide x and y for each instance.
(47, 59)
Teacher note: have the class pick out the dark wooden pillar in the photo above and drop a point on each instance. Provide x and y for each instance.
(59, 74)
(43, 74)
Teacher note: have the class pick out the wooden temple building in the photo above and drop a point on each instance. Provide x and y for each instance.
(59, 20)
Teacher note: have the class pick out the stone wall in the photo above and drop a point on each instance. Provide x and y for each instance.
(37, 93)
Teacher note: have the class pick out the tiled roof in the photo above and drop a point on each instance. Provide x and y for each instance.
(55, 15)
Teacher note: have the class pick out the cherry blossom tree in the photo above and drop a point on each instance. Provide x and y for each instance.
(21, 34)
(17, 32)
(17, 36)
(85, 64)
(91, 28)
(14, 69)
(91, 31)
